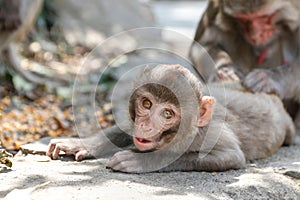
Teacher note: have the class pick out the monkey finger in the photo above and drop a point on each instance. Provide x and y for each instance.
(265, 86)
(119, 167)
(228, 76)
(118, 158)
(127, 166)
(251, 81)
(259, 87)
(56, 148)
(55, 152)
(233, 77)
(114, 161)
(80, 155)
(223, 74)
(230, 73)
(50, 149)
(259, 81)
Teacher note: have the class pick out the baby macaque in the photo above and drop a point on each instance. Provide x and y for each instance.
(176, 124)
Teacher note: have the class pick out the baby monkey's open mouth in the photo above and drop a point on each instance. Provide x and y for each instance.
(154, 143)
(143, 144)
(142, 140)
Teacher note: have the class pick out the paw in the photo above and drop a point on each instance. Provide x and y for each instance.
(69, 146)
(229, 73)
(261, 81)
(126, 161)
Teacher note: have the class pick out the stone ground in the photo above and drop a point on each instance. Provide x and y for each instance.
(38, 177)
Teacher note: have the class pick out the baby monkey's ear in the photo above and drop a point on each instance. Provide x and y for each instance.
(205, 111)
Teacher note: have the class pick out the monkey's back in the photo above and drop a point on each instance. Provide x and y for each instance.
(259, 120)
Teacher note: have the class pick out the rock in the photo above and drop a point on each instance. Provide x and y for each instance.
(40, 147)
(88, 24)
(290, 169)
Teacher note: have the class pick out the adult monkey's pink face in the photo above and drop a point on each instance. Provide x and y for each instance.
(258, 28)
(259, 20)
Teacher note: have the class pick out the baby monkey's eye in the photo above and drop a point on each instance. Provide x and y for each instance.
(147, 104)
(168, 114)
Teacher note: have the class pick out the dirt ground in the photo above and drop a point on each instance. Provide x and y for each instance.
(38, 177)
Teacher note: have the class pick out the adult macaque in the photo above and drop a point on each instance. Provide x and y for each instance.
(17, 18)
(177, 127)
(256, 42)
